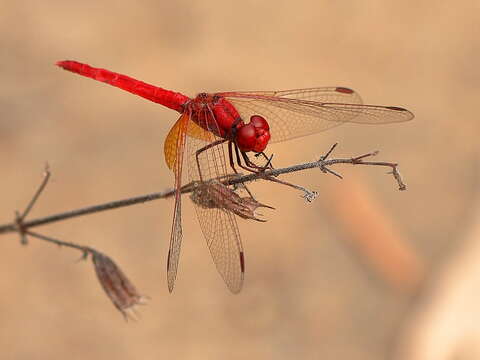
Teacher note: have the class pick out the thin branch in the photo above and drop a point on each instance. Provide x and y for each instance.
(84, 249)
(307, 194)
(19, 218)
(323, 163)
(46, 177)
(90, 210)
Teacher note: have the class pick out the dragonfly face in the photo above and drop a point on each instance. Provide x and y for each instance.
(253, 136)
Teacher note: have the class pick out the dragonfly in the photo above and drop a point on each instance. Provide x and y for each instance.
(216, 133)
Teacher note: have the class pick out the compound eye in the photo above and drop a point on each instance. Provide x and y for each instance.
(246, 137)
(259, 122)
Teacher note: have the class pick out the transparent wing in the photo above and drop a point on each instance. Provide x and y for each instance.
(328, 94)
(219, 226)
(170, 146)
(176, 137)
(300, 112)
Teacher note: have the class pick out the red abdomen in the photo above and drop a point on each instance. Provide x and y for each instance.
(170, 99)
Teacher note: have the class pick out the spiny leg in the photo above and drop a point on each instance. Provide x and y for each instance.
(260, 169)
(253, 169)
(230, 157)
(237, 155)
(252, 165)
(249, 166)
(269, 159)
(199, 151)
(232, 163)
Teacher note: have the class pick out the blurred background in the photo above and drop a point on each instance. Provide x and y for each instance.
(364, 272)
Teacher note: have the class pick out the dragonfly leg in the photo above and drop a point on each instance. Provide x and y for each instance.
(269, 159)
(199, 151)
(232, 163)
(247, 166)
(257, 168)
(230, 156)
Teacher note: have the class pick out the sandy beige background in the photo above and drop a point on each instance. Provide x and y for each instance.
(308, 294)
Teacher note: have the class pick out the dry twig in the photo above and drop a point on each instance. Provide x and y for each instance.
(323, 164)
(217, 194)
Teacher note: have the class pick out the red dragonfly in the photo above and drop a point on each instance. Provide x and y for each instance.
(211, 120)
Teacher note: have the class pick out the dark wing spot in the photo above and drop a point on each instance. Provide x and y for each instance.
(344, 90)
(242, 262)
(396, 108)
(168, 260)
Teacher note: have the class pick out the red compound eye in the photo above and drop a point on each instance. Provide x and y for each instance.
(253, 136)
(259, 122)
(261, 142)
(246, 137)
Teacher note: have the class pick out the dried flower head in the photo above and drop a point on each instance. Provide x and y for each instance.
(217, 195)
(117, 286)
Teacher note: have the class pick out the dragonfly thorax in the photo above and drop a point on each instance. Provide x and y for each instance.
(215, 114)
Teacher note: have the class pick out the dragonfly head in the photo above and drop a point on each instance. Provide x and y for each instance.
(253, 136)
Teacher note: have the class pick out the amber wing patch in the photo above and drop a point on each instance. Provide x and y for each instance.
(170, 146)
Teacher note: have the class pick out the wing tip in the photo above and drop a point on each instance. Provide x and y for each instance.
(408, 113)
(242, 262)
(235, 288)
(171, 275)
(344, 90)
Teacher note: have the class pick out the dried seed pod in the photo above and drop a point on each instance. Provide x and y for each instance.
(217, 195)
(119, 289)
